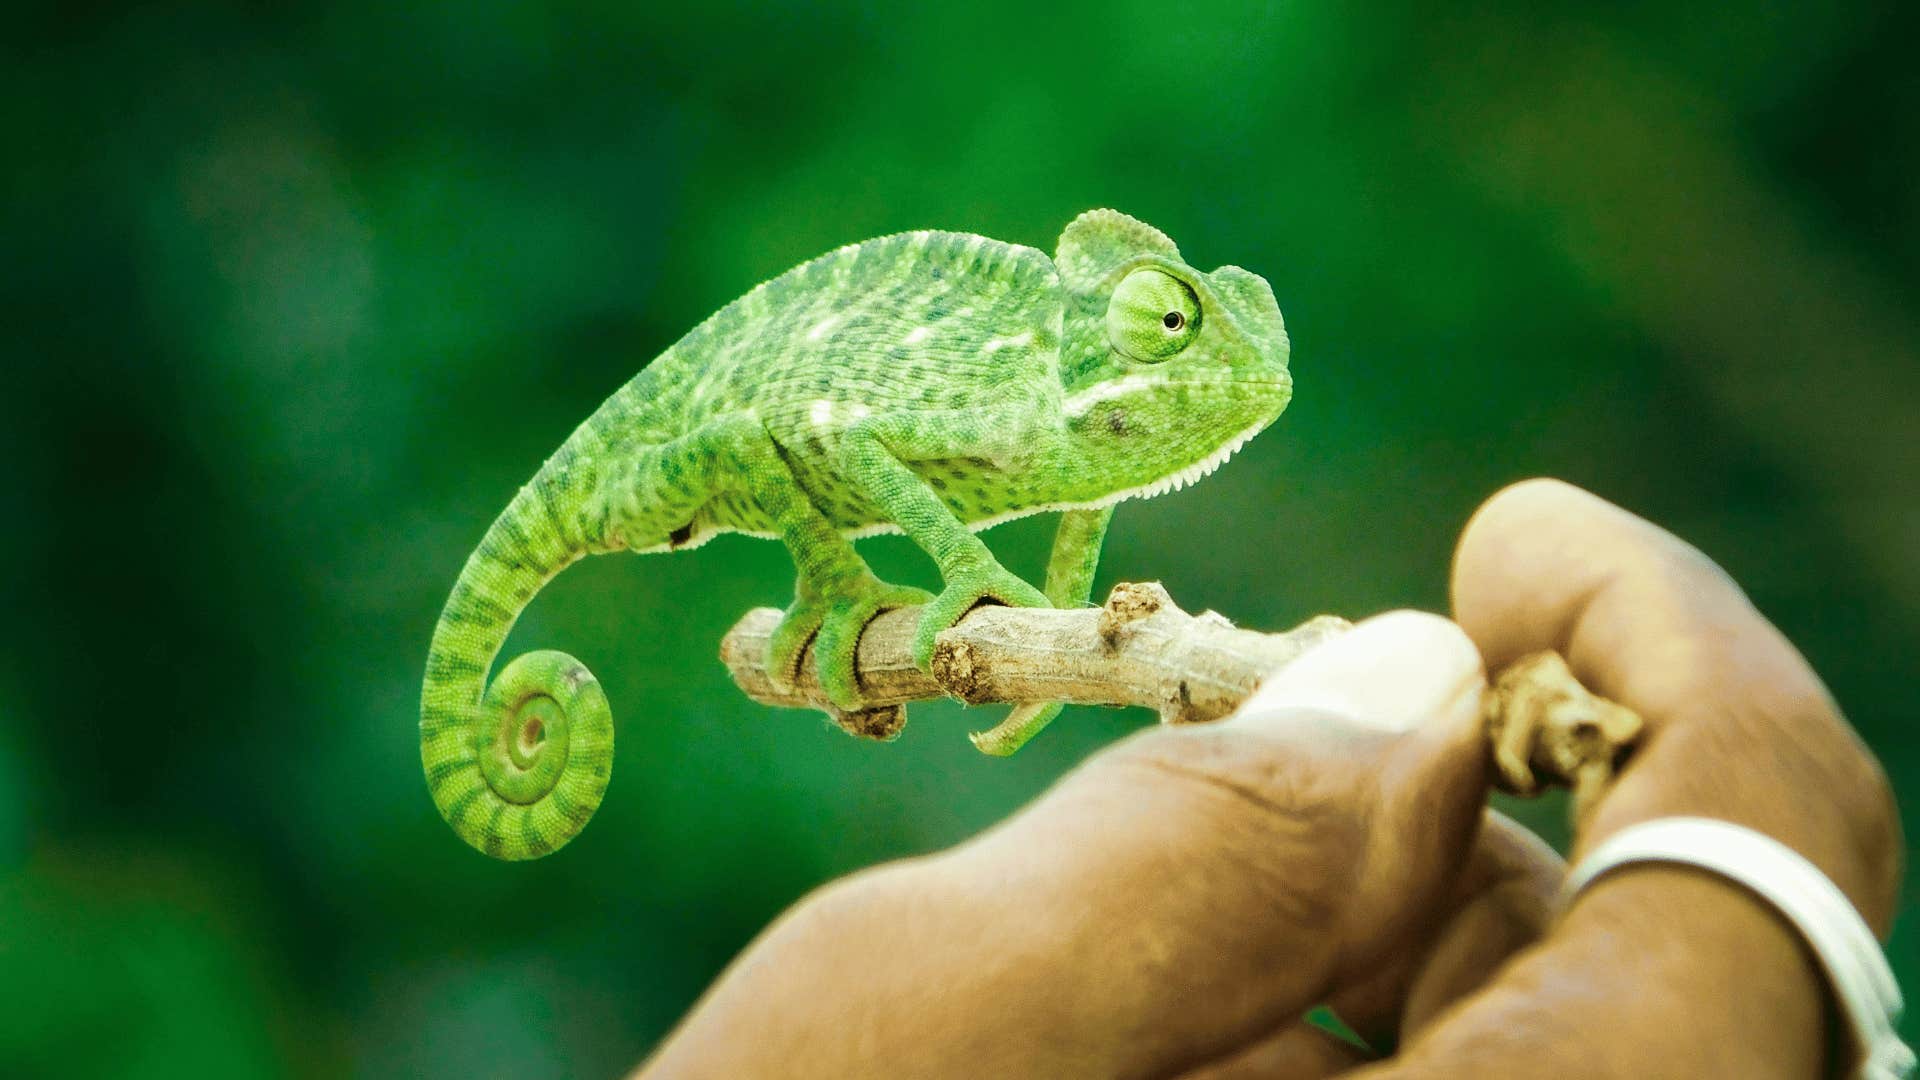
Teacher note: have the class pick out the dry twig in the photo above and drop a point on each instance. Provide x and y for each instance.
(1141, 649)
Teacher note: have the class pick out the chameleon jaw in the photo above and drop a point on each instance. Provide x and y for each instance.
(1192, 474)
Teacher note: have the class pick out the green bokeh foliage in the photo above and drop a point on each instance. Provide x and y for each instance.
(296, 300)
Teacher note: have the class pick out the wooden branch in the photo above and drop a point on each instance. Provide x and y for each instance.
(1141, 649)
(1544, 728)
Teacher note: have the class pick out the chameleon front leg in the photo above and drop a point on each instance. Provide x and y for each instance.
(1076, 553)
(873, 456)
(836, 593)
(829, 611)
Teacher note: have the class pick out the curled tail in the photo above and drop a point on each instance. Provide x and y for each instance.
(518, 765)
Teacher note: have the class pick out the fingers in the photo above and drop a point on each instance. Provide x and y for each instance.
(1395, 705)
(1408, 675)
(1501, 902)
(1402, 672)
(1702, 980)
(1639, 614)
(1508, 895)
(1739, 726)
(1209, 884)
(1298, 1051)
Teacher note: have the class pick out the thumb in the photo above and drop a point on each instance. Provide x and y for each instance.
(1393, 674)
(1391, 708)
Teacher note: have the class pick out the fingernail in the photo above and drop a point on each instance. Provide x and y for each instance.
(1391, 673)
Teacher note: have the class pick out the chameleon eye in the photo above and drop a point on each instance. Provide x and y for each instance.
(1152, 315)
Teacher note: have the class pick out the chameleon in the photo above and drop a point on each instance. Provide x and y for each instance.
(930, 383)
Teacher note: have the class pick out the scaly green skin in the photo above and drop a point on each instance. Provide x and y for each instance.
(930, 383)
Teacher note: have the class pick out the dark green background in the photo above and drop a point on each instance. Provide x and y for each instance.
(294, 303)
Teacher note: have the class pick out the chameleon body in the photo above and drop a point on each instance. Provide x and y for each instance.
(931, 383)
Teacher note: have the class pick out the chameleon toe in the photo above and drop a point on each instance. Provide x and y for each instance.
(833, 658)
(1022, 724)
(835, 646)
(964, 593)
(797, 630)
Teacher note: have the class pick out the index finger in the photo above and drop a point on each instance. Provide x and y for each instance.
(1739, 727)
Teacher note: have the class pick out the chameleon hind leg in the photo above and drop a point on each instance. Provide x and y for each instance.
(1076, 554)
(836, 593)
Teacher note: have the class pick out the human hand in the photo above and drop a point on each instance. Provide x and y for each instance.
(1179, 900)
(1662, 970)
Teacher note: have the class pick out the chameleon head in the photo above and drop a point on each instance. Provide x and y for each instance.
(1166, 370)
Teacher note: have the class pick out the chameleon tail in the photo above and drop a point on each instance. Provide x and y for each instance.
(518, 765)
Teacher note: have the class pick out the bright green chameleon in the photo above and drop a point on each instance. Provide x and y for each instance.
(930, 383)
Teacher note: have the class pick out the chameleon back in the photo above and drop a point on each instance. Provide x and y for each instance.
(915, 322)
(897, 321)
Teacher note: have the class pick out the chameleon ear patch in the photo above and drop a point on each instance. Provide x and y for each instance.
(1098, 240)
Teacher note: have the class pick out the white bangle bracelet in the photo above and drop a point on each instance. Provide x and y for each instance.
(1857, 970)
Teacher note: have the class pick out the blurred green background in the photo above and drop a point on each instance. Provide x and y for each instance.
(295, 300)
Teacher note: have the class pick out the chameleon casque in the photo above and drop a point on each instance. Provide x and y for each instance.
(931, 383)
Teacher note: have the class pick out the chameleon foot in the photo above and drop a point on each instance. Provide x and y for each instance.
(1023, 723)
(832, 623)
(994, 584)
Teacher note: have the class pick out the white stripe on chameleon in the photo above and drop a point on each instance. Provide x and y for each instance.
(1078, 404)
(919, 333)
(994, 345)
(822, 413)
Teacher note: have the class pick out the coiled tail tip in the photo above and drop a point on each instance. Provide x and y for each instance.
(519, 773)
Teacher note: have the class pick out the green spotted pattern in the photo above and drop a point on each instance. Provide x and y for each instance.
(931, 383)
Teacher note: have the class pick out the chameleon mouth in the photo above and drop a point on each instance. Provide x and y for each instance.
(1175, 481)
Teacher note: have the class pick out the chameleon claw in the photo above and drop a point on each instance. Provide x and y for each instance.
(1022, 724)
(964, 592)
(832, 625)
